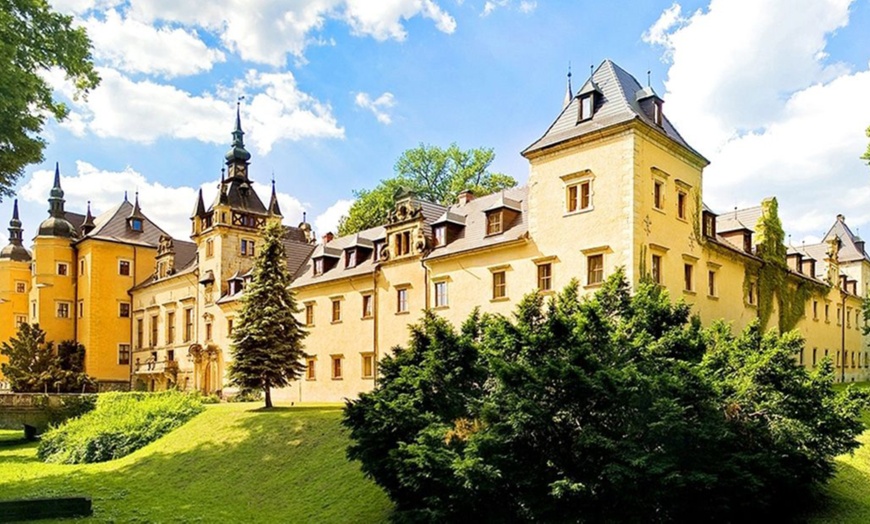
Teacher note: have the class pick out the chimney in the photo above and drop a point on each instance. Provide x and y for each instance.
(841, 218)
(465, 197)
(327, 238)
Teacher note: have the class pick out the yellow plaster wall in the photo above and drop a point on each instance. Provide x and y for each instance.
(48, 288)
(12, 303)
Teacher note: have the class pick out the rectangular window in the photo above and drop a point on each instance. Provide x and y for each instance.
(124, 267)
(208, 331)
(401, 300)
(839, 315)
(81, 309)
(545, 277)
(188, 324)
(658, 194)
(499, 284)
(62, 269)
(336, 310)
(124, 354)
(368, 365)
(247, 248)
(579, 196)
(493, 223)
(124, 310)
(336, 367)
(20, 319)
(63, 310)
(752, 292)
(311, 369)
(440, 235)
(140, 336)
(801, 357)
(318, 266)
(586, 107)
(815, 356)
(367, 306)
(350, 261)
(689, 277)
(170, 327)
(711, 283)
(681, 205)
(709, 226)
(81, 267)
(403, 243)
(594, 269)
(440, 294)
(657, 269)
(229, 327)
(848, 317)
(209, 248)
(815, 309)
(153, 339)
(21, 287)
(309, 314)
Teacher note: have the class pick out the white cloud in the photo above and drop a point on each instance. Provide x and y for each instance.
(377, 106)
(768, 109)
(167, 206)
(265, 31)
(524, 6)
(383, 19)
(143, 111)
(136, 47)
(328, 220)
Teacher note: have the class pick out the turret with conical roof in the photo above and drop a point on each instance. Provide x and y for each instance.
(569, 93)
(88, 225)
(238, 157)
(274, 209)
(136, 220)
(56, 225)
(15, 250)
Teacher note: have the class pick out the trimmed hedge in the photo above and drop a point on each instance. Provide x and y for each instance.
(120, 424)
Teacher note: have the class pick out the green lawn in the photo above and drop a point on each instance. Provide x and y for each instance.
(233, 463)
(236, 463)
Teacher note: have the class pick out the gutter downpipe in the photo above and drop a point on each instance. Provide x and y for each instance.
(843, 336)
(375, 315)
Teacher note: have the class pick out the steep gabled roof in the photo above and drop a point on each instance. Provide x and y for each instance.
(850, 250)
(112, 226)
(618, 102)
(738, 219)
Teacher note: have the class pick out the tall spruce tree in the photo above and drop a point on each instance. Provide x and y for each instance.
(267, 344)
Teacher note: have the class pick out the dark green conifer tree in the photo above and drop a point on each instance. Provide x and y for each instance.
(267, 343)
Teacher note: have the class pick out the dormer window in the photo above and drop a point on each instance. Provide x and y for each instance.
(657, 112)
(440, 235)
(402, 243)
(586, 103)
(136, 224)
(709, 225)
(350, 258)
(318, 266)
(494, 223)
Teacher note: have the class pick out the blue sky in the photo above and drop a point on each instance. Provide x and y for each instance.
(774, 93)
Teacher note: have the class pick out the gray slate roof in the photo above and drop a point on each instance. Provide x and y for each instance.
(738, 219)
(850, 251)
(617, 104)
(112, 226)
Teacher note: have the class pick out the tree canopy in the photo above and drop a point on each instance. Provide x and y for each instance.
(585, 410)
(866, 155)
(267, 342)
(33, 41)
(36, 366)
(434, 174)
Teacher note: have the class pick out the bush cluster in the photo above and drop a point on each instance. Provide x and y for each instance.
(120, 424)
(613, 408)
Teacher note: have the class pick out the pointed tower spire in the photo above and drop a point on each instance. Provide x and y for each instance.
(237, 157)
(569, 93)
(55, 199)
(136, 220)
(88, 224)
(15, 250)
(199, 208)
(274, 209)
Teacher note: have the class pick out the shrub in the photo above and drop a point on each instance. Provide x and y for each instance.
(612, 408)
(247, 396)
(120, 424)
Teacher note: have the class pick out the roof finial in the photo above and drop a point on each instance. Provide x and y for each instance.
(648, 73)
(125, 196)
(304, 216)
(569, 94)
(591, 69)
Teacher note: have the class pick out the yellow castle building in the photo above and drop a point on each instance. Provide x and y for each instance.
(612, 184)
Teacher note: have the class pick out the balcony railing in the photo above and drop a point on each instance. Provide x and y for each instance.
(155, 367)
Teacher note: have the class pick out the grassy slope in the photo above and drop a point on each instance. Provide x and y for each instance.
(233, 463)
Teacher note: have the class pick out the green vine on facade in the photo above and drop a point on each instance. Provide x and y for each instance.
(775, 284)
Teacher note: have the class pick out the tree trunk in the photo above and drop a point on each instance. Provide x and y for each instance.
(268, 393)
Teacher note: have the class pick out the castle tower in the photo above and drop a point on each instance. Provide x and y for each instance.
(14, 282)
(53, 281)
(227, 235)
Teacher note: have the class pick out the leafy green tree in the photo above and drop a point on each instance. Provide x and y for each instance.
(35, 366)
(267, 343)
(33, 40)
(866, 155)
(434, 174)
(580, 410)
